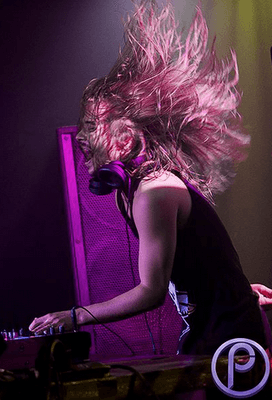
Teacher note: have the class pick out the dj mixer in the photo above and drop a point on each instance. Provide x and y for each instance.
(23, 350)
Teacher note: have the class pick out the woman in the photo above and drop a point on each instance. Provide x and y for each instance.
(163, 129)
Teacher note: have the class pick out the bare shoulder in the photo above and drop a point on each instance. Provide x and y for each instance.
(166, 179)
(165, 193)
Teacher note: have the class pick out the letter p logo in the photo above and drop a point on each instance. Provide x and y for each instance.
(236, 345)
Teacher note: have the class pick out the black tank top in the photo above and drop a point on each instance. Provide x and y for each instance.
(207, 267)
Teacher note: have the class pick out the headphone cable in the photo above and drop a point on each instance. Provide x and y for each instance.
(106, 327)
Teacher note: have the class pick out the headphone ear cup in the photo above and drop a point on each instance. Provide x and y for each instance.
(99, 187)
(113, 174)
(108, 178)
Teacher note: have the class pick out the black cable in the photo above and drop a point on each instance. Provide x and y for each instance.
(151, 335)
(109, 329)
(53, 373)
(74, 319)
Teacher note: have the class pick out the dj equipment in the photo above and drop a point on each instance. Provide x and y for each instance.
(2, 344)
(32, 351)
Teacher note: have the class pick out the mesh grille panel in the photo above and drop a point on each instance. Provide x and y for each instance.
(109, 273)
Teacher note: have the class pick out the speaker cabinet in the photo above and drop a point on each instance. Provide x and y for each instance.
(104, 255)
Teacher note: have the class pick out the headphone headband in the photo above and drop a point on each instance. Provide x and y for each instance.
(113, 176)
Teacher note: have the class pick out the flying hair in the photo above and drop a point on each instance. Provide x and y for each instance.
(173, 99)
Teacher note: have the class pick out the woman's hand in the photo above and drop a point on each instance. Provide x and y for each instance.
(55, 320)
(265, 295)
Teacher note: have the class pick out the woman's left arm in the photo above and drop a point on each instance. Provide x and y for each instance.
(155, 212)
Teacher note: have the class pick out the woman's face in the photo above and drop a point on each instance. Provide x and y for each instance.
(93, 135)
(104, 137)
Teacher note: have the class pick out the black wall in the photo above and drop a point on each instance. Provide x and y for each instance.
(49, 52)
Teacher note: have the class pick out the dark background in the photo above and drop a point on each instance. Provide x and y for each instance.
(49, 52)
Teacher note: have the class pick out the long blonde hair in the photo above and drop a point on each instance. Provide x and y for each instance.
(177, 95)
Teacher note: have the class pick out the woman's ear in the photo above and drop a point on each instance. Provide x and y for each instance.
(125, 141)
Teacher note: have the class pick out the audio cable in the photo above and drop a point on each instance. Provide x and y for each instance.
(75, 325)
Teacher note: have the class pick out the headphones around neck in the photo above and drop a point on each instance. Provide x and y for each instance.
(113, 176)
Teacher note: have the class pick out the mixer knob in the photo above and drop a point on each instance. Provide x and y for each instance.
(61, 329)
(21, 332)
(51, 330)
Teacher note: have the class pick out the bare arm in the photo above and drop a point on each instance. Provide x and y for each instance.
(155, 213)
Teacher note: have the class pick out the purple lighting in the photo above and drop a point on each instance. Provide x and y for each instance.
(101, 261)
